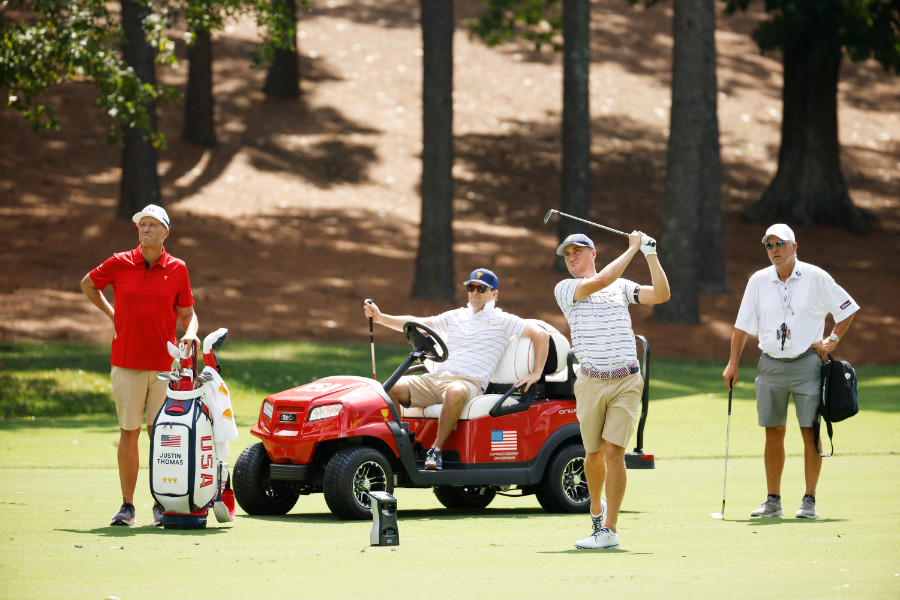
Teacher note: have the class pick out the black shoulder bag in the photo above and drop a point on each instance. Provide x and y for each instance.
(837, 400)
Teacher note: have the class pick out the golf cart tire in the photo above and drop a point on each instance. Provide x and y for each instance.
(350, 475)
(464, 497)
(564, 486)
(254, 489)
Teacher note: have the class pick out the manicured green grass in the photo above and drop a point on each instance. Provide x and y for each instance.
(58, 488)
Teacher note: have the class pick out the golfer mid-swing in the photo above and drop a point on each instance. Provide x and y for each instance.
(609, 382)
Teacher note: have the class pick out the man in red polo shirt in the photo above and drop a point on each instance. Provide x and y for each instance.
(151, 289)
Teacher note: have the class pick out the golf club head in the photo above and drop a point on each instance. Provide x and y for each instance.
(214, 340)
(174, 351)
(717, 515)
(547, 216)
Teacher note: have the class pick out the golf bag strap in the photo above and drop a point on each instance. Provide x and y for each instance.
(816, 430)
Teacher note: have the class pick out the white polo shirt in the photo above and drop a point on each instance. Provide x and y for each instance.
(478, 339)
(801, 303)
(602, 334)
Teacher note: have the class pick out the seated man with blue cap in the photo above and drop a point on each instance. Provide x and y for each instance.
(476, 336)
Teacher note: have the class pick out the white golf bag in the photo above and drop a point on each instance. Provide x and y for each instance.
(190, 439)
(184, 466)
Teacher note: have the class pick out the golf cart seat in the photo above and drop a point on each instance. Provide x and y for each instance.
(516, 362)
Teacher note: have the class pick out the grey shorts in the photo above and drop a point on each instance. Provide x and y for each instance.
(776, 380)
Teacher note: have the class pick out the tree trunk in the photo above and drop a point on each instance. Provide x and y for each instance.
(434, 263)
(140, 182)
(576, 119)
(693, 178)
(809, 186)
(199, 126)
(283, 76)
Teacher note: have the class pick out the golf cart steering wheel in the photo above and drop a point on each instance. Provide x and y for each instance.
(423, 339)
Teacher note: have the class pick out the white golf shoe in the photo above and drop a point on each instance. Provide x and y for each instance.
(602, 537)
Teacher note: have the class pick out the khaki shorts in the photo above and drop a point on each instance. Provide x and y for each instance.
(134, 391)
(608, 409)
(428, 389)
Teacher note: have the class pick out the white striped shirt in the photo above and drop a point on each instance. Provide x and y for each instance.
(478, 340)
(602, 335)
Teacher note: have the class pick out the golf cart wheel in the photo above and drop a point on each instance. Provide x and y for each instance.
(254, 491)
(349, 477)
(466, 497)
(564, 486)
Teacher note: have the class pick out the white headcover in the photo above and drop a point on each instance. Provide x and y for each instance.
(518, 360)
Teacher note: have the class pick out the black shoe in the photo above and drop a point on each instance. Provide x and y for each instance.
(157, 514)
(125, 516)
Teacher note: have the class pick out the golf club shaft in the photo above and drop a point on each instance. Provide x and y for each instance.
(562, 214)
(727, 440)
(372, 342)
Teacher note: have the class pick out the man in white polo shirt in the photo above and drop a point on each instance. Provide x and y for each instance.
(476, 337)
(609, 383)
(785, 306)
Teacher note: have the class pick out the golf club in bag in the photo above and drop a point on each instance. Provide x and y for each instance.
(190, 440)
(721, 515)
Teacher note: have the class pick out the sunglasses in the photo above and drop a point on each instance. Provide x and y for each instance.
(477, 288)
(778, 244)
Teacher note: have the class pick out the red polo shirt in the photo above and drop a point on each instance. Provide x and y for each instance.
(146, 302)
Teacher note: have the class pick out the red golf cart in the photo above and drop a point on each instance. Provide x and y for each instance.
(342, 436)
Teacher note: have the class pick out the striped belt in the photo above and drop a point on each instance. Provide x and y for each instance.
(629, 369)
(798, 357)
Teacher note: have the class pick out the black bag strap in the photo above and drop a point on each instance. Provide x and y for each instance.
(816, 430)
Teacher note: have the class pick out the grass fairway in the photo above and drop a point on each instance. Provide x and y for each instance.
(59, 486)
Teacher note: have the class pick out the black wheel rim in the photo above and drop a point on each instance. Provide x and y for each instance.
(574, 482)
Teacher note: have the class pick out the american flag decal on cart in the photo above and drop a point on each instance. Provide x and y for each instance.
(504, 441)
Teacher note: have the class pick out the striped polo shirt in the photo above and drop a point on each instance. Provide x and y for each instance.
(602, 335)
(478, 339)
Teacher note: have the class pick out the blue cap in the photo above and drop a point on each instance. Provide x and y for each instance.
(579, 239)
(484, 276)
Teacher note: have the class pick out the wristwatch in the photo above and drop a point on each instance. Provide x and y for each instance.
(834, 338)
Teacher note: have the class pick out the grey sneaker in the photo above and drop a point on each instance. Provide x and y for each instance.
(125, 516)
(157, 514)
(433, 461)
(770, 508)
(807, 508)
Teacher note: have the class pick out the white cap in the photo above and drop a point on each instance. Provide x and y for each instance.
(152, 210)
(781, 231)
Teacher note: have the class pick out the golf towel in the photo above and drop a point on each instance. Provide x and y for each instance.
(218, 398)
